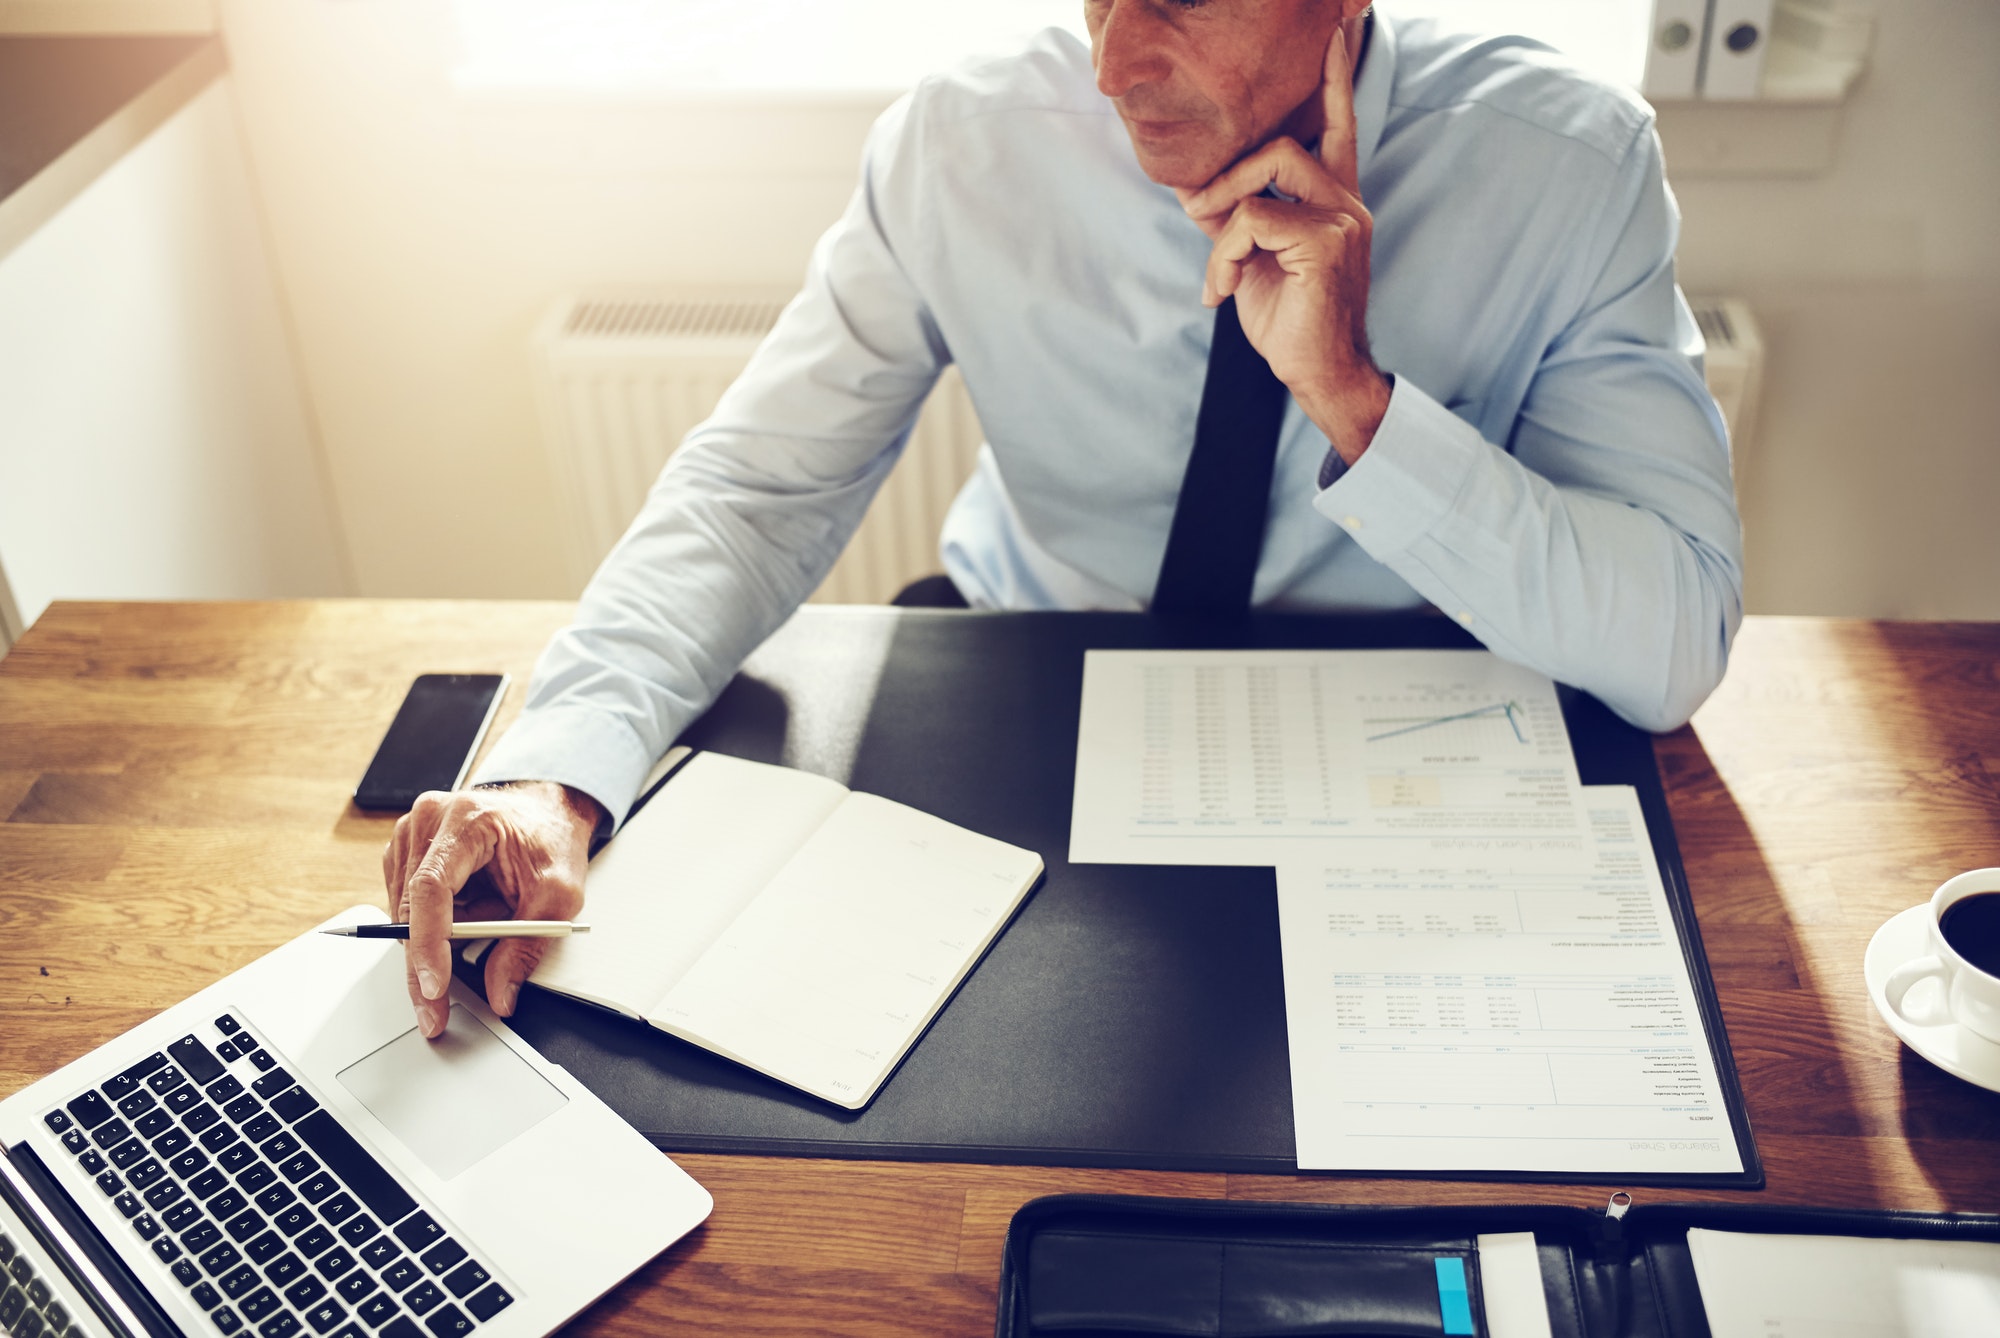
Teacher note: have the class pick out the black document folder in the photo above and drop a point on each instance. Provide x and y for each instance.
(1130, 1016)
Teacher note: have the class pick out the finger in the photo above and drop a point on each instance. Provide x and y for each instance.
(462, 843)
(1283, 163)
(1339, 147)
(513, 960)
(1298, 238)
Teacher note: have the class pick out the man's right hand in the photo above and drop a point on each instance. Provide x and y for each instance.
(508, 852)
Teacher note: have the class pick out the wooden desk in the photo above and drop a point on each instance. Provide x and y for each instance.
(175, 781)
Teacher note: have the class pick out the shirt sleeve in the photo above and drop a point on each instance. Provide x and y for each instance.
(750, 513)
(1602, 546)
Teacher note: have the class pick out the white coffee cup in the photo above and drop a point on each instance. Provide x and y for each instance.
(1970, 997)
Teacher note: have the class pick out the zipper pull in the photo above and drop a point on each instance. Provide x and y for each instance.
(1611, 1228)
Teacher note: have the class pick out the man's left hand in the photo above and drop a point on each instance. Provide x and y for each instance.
(1298, 267)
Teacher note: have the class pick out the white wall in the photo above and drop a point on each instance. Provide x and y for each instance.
(421, 231)
(153, 439)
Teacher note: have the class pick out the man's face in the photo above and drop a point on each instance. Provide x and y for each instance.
(1201, 82)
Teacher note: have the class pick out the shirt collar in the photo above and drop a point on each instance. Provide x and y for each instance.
(1371, 91)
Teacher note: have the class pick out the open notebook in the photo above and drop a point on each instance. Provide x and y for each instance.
(786, 922)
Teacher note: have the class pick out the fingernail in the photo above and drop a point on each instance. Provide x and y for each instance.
(428, 982)
(427, 1024)
(503, 1000)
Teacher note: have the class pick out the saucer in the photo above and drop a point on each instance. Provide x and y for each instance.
(1951, 1047)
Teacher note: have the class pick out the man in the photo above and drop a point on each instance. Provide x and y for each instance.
(1456, 256)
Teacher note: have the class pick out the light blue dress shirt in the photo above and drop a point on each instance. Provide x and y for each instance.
(1551, 472)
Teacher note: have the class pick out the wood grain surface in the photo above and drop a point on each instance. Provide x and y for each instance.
(174, 780)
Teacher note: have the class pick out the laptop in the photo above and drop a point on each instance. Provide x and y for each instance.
(285, 1156)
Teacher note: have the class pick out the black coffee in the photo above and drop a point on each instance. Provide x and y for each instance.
(1972, 926)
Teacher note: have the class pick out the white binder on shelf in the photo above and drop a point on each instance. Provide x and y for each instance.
(1739, 33)
(1673, 50)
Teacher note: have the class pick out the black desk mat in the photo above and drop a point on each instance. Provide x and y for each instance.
(1130, 1016)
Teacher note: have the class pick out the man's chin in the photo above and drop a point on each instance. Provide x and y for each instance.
(1175, 154)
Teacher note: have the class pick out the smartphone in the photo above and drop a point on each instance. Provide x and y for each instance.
(431, 741)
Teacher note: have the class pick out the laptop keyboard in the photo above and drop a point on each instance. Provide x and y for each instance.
(273, 1217)
(29, 1308)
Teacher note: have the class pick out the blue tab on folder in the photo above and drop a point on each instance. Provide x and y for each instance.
(1454, 1303)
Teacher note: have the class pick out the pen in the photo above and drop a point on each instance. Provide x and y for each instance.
(463, 929)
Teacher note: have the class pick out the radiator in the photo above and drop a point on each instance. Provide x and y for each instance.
(1734, 365)
(620, 378)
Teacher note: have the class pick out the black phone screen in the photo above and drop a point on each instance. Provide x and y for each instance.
(432, 739)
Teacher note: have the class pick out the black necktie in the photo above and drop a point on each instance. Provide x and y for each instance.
(1218, 531)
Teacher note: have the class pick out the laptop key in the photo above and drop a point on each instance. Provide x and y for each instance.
(58, 1121)
(163, 1194)
(188, 1163)
(262, 1059)
(225, 1089)
(379, 1252)
(356, 1166)
(166, 1080)
(38, 1293)
(110, 1134)
(422, 1297)
(224, 1319)
(243, 1107)
(315, 1242)
(448, 1322)
(186, 1273)
(137, 1104)
(299, 1167)
(325, 1315)
(29, 1325)
(221, 1259)
(418, 1231)
(355, 1286)
(184, 1098)
(227, 1052)
(127, 1204)
(127, 1152)
(402, 1326)
(277, 1198)
(76, 1141)
(155, 1123)
(201, 1234)
(244, 1225)
(91, 1162)
(305, 1291)
(266, 1246)
(317, 1186)
(146, 1174)
(333, 1263)
(13, 1302)
(441, 1256)
(227, 1204)
(181, 1215)
(281, 1325)
(172, 1143)
(238, 1281)
(109, 1182)
(259, 1304)
(167, 1248)
(90, 1110)
(284, 1269)
(56, 1315)
(199, 1116)
(277, 1146)
(196, 1058)
(271, 1083)
(338, 1209)
(146, 1225)
(466, 1279)
(221, 1136)
(208, 1183)
(234, 1157)
(228, 1025)
(255, 1176)
(294, 1219)
(294, 1104)
(204, 1296)
(399, 1275)
(355, 1230)
(377, 1310)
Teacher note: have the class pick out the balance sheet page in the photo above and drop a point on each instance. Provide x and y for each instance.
(1485, 1006)
(1229, 757)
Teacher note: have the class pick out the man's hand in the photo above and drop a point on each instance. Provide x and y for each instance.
(514, 852)
(1298, 267)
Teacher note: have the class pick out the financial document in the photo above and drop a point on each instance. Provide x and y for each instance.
(1225, 757)
(1458, 1005)
(1768, 1286)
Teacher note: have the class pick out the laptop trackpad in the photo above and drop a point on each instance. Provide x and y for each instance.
(453, 1100)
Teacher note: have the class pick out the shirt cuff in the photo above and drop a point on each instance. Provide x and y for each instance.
(578, 746)
(1408, 479)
